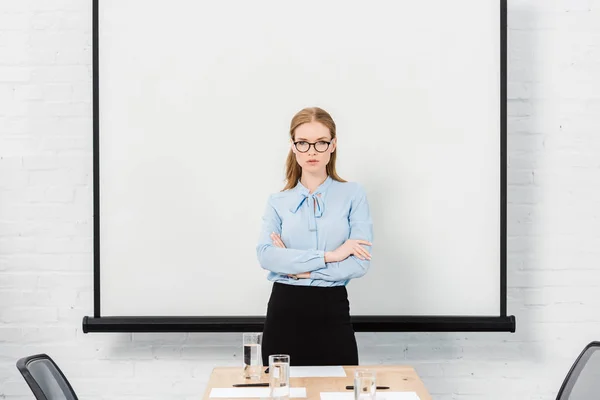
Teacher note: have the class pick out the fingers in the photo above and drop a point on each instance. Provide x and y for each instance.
(362, 253)
(358, 250)
(274, 240)
(358, 241)
(277, 240)
(280, 242)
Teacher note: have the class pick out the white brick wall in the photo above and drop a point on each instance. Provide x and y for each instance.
(46, 225)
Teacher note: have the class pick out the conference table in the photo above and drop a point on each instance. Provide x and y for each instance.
(399, 378)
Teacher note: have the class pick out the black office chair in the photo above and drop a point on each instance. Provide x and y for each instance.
(46, 380)
(583, 380)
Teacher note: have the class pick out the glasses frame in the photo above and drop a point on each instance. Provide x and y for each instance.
(314, 145)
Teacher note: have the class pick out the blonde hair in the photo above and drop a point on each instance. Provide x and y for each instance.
(293, 171)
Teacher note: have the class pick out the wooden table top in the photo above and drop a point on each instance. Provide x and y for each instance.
(399, 378)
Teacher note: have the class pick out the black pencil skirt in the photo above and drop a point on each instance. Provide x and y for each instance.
(311, 324)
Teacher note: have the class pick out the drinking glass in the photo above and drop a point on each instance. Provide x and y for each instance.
(364, 384)
(252, 355)
(279, 372)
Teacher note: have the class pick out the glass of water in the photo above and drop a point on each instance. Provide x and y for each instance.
(252, 355)
(279, 372)
(365, 384)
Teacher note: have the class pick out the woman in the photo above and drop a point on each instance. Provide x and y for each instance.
(315, 237)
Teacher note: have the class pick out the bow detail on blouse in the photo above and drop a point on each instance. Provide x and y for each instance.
(315, 205)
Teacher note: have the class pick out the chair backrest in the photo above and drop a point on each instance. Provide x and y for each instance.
(45, 379)
(583, 380)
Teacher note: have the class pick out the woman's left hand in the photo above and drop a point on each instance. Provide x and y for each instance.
(277, 242)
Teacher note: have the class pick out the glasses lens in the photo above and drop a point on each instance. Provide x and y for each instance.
(302, 146)
(321, 146)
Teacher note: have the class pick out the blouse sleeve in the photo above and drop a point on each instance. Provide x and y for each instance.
(280, 260)
(361, 227)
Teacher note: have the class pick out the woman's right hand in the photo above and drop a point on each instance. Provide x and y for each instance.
(350, 247)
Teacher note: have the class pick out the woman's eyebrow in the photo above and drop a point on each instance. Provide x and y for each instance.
(322, 137)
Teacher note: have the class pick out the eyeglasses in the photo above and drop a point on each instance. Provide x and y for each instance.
(321, 146)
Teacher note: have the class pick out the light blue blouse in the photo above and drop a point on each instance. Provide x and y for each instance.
(309, 228)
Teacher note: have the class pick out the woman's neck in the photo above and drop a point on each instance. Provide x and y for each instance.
(312, 182)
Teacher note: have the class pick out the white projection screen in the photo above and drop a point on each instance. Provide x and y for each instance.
(192, 107)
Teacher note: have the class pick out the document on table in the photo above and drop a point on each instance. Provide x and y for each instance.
(318, 372)
(381, 395)
(246, 392)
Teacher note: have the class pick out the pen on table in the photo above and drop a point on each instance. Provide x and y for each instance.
(378, 387)
(257, 384)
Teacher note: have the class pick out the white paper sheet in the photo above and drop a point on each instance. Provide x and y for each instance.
(381, 395)
(246, 392)
(317, 372)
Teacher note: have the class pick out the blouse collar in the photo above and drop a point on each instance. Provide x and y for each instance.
(320, 189)
(316, 205)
